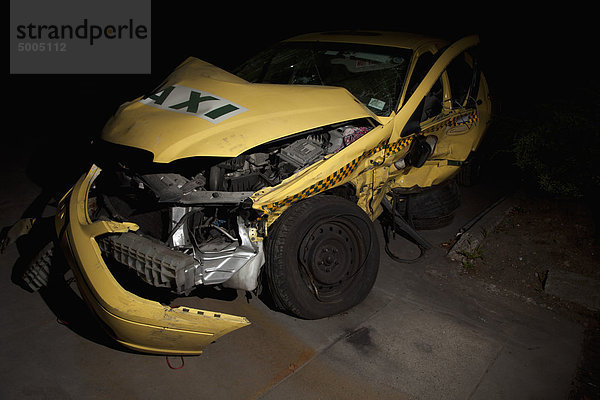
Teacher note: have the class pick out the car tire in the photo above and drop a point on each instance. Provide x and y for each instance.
(470, 172)
(322, 257)
(431, 208)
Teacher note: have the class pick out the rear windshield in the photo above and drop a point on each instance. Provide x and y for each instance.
(373, 74)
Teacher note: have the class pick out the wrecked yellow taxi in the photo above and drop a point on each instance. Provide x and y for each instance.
(268, 178)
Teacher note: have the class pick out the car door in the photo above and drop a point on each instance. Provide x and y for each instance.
(449, 103)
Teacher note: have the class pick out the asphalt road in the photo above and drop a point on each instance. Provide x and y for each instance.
(422, 333)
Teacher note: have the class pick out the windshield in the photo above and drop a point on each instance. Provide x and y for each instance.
(373, 74)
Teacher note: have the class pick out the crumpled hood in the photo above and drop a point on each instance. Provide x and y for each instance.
(202, 110)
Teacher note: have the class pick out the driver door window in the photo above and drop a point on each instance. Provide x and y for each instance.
(431, 105)
(462, 74)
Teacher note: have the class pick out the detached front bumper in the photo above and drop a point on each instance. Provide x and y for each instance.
(135, 322)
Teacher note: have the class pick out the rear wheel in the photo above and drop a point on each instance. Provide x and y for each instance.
(431, 208)
(322, 257)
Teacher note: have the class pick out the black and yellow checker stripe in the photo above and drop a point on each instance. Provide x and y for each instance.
(322, 185)
(339, 175)
(342, 173)
(470, 118)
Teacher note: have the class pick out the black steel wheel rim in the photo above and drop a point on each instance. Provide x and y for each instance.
(331, 254)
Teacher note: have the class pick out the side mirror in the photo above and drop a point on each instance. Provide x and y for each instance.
(421, 149)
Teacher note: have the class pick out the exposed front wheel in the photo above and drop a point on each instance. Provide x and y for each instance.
(322, 257)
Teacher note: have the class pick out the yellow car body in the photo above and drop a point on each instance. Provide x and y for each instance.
(203, 111)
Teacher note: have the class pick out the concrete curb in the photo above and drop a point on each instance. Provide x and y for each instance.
(474, 233)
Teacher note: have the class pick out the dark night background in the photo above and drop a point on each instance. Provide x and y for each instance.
(539, 62)
(529, 56)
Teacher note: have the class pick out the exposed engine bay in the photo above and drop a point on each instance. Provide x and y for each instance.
(197, 224)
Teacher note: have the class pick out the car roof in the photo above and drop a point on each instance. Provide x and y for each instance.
(405, 40)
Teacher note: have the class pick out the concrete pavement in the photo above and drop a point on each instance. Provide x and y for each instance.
(424, 332)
